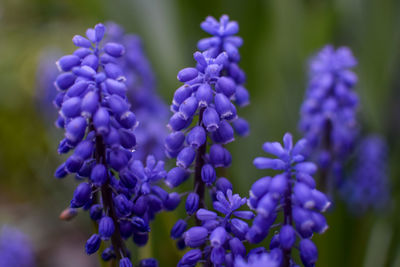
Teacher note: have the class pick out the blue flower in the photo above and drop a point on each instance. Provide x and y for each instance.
(221, 235)
(99, 124)
(294, 190)
(368, 185)
(328, 113)
(15, 248)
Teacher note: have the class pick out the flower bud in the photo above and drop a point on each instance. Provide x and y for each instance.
(82, 195)
(196, 137)
(108, 254)
(185, 157)
(172, 201)
(188, 108)
(287, 237)
(116, 87)
(93, 244)
(218, 237)
(75, 130)
(114, 49)
(190, 258)
(187, 74)
(224, 134)
(99, 175)
(223, 105)
(176, 123)
(241, 127)
(205, 215)
(101, 121)
(226, 86)
(223, 185)
(192, 203)
(178, 229)
(174, 141)
(308, 252)
(204, 95)
(208, 174)
(211, 119)
(106, 227)
(242, 96)
(66, 63)
(181, 94)
(96, 212)
(195, 236)
(176, 176)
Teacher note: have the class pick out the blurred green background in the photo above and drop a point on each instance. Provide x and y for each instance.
(279, 36)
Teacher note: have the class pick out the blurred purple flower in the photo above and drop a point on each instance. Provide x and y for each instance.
(328, 113)
(15, 249)
(368, 185)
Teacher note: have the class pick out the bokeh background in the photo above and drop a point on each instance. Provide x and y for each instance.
(279, 36)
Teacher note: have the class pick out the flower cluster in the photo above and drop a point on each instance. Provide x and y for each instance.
(293, 191)
(206, 94)
(328, 114)
(150, 110)
(207, 98)
(15, 248)
(368, 185)
(218, 239)
(224, 40)
(120, 192)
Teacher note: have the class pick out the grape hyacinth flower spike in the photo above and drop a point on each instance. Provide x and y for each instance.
(292, 192)
(328, 113)
(205, 97)
(119, 191)
(367, 187)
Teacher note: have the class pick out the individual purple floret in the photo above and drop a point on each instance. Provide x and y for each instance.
(368, 185)
(328, 114)
(15, 249)
(292, 191)
(120, 191)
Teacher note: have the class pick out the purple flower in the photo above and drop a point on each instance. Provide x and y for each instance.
(15, 249)
(190, 258)
(207, 99)
(293, 189)
(93, 244)
(368, 184)
(220, 234)
(328, 113)
(99, 124)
